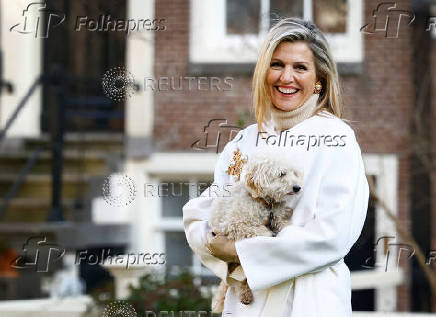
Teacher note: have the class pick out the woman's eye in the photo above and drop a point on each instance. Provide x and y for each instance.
(275, 64)
(301, 67)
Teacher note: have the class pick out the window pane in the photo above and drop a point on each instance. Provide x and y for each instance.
(174, 195)
(177, 249)
(331, 15)
(285, 9)
(242, 17)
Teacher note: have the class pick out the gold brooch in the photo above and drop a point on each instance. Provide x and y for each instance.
(236, 167)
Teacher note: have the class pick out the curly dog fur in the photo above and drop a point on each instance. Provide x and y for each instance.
(269, 184)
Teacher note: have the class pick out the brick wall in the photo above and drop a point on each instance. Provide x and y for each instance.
(181, 115)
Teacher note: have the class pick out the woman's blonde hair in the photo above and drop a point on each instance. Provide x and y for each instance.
(291, 30)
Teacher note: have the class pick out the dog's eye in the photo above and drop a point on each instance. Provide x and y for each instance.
(281, 174)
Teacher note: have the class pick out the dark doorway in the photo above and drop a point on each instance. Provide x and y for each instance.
(85, 55)
(364, 300)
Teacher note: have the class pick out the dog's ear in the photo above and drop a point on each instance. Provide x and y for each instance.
(249, 180)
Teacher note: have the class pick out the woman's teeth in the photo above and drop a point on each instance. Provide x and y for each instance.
(289, 91)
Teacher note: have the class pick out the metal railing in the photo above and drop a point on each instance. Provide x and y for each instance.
(57, 82)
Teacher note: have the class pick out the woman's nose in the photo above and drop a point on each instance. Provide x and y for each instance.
(287, 74)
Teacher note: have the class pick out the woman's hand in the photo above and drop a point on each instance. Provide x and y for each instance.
(222, 248)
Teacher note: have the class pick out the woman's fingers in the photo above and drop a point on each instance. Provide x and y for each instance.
(222, 248)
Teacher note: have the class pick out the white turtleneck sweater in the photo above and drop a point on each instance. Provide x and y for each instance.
(284, 120)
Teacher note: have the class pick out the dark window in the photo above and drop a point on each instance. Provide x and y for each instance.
(178, 252)
(242, 17)
(330, 16)
(285, 9)
(174, 195)
(356, 260)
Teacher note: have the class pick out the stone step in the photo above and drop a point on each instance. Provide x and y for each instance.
(37, 209)
(107, 142)
(94, 163)
(39, 186)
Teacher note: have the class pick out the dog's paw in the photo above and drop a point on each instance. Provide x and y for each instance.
(246, 297)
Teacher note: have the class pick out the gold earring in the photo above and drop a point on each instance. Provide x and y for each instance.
(318, 88)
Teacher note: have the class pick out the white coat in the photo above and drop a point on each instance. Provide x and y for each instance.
(327, 220)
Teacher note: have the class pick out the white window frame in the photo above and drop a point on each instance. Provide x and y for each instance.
(179, 167)
(385, 169)
(209, 42)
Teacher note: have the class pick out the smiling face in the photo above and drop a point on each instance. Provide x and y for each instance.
(291, 76)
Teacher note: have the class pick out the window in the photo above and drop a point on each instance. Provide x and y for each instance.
(242, 17)
(173, 195)
(383, 169)
(231, 31)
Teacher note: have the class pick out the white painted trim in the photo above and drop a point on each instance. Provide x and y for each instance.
(210, 44)
(308, 10)
(140, 53)
(21, 66)
(139, 118)
(348, 47)
(432, 21)
(169, 224)
(385, 168)
(186, 167)
(181, 164)
(369, 279)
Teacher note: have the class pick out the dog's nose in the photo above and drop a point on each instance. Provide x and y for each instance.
(296, 188)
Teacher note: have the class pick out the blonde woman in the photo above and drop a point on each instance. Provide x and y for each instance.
(301, 271)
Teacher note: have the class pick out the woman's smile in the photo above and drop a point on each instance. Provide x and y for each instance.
(288, 91)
